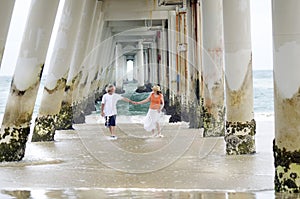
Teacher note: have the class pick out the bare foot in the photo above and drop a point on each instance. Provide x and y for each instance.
(160, 136)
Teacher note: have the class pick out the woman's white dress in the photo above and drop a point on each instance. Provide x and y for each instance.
(152, 118)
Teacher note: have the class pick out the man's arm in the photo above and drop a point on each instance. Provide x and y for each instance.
(128, 100)
(102, 110)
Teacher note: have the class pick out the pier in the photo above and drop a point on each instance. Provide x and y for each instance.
(198, 51)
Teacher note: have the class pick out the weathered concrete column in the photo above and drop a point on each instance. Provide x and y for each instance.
(134, 69)
(70, 106)
(240, 123)
(197, 9)
(163, 56)
(124, 64)
(81, 99)
(26, 80)
(189, 57)
(172, 55)
(154, 63)
(119, 68)
(194, 42)
(213, 68)
(45, 123)
(108, 74)
(286, 36)
(182, 69)
(93, 51)
(140, 64)
(146, 66)
(6, 9)
(150, 65)
(94, 93)
(105, 60)
(159, 53)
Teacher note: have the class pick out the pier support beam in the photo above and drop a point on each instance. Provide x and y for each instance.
(172, 55)
(140, 65)
(213, 68)
(71, 106)
(194, 54)
(26, 80)
(134, 69)
(240, 123)
(6, 10)
(154, 64)
(286, 35)
(146, 68)
(124, 64)
(45, 123)
(163, 56)
(105, 61)
(119, 68)
(150, 65)
(93, 51)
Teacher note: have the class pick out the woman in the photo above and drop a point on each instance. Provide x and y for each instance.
(157, 103)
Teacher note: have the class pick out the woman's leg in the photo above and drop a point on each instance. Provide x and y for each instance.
(153, 132)
(158, 128)
(159, 131)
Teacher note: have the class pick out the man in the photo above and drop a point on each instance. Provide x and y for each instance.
(109, 108)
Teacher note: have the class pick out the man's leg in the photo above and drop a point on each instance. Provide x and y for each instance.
(113, 126)
(112, 130)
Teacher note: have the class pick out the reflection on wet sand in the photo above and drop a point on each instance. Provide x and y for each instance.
(117, 193)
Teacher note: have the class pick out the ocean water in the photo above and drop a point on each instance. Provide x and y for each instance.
(262, 84)
(263, 91)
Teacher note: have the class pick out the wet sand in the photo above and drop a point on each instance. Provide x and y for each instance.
(85, 163)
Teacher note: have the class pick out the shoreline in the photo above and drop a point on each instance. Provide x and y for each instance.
(259, 116)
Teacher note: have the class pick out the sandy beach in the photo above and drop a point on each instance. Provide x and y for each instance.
(86, 161)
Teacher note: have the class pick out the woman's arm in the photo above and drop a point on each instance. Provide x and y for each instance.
(162, 102)
(145, 100)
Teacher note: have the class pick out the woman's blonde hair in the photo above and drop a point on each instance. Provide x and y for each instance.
(156, 88)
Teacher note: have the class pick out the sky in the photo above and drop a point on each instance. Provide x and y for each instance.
(261, 31)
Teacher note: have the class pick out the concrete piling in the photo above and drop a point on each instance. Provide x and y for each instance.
(26, 80)
(240, 124)
(286, 48)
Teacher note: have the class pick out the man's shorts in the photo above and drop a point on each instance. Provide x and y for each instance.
(110, 120)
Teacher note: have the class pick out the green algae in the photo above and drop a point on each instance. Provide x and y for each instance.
(287, 169)
(239, 137)
(65, 117)
(14, 149)
(44, 129)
